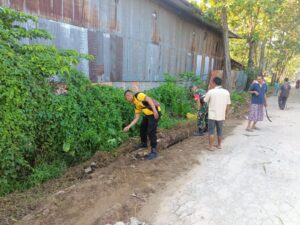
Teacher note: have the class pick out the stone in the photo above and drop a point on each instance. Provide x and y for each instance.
(93, 165)
(46, 212)
(88, 170)
(119, 223)
(134, 221)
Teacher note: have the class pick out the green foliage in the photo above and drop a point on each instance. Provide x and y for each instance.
(42, 133)
(174, 98)
(252, 73)
(238, 98)
(170, 79)
(44, 172)
(190, 78)
(40, 128)
(269, 31)
(186, 79)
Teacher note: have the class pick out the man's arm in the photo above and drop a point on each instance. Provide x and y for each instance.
(252, 90)
(207, 97)
(228, 105)
(134, 121)
(227, 111)
(155, 113)
(198, 104)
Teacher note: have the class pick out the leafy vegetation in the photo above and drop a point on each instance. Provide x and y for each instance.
(238, 98)
(42, 133)
(269, 31)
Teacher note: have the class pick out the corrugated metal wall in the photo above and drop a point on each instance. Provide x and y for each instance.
(133, 40)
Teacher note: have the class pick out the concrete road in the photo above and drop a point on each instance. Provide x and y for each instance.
(254, 180)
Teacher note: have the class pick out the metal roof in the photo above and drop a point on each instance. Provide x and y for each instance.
(188, 11)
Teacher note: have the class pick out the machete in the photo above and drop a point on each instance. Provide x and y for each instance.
(267, 115)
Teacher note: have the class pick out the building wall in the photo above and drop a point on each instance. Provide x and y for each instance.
(133, 40)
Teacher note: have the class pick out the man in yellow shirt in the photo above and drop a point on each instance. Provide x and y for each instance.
(151, 110)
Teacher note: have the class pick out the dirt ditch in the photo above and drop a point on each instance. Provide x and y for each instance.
(116, 190)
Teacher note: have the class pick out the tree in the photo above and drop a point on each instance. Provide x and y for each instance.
(216, 11)
(269, 30)
(227, 64)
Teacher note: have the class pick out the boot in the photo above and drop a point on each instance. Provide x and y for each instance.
(199, 133)
(152, 155)
(141, 145)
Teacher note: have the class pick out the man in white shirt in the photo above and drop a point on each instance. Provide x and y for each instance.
(218, 100)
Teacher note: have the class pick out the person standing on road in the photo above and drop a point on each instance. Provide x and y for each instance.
(258, 91)
(218, 100)
(152, 112)
(284, 93)
(298, 83)
(202, 110)
(276, 86)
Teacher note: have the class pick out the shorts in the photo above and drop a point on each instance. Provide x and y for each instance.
(213, 124)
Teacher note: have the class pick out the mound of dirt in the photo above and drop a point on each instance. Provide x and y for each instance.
(117, 187)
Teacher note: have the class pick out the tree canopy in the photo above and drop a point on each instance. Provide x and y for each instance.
(269, 31)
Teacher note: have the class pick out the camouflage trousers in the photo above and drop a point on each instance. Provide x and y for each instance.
(202, 119)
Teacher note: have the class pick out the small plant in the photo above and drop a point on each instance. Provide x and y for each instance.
(238, 98)
(189, 78)
(42, 132)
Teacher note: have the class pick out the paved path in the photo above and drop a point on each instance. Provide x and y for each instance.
(254, 180)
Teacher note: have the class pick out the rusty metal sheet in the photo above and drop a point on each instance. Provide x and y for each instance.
(113, 15)
(17, 4)
(46, 8)
(57, 9)
(95, 46)
(116, 58)
(90, 14)
(32, 6)
(106, 54)
(135, 60)
(128, 45)
(68, 10)
(153, 62)
(78, 12)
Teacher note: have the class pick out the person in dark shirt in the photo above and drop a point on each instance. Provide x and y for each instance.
(258, 91)
(284, 93)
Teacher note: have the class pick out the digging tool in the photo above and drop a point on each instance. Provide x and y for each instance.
(267, 115)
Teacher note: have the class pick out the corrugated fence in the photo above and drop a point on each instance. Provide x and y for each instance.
(133, 40)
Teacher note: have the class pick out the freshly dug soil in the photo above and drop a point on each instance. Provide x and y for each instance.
(119, 186)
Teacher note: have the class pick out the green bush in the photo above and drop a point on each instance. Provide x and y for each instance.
(176, 99)
(42, 133)
(238, 98)
(252, 73)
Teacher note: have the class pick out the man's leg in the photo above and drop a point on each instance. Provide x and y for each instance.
(201, 126)
(219, 125)
(211, 131)
(254, 125)
(284, 99)
(250, 124)
(143, 132)
(152, 128)
(280, 102)
(199, 131)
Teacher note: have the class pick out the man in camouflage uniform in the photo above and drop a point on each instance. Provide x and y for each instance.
(202, 110)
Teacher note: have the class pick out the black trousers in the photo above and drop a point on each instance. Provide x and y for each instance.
(282, 102)
(148, 129)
